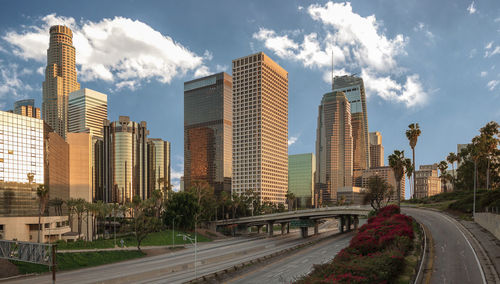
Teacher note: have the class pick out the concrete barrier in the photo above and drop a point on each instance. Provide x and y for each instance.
(490, 222)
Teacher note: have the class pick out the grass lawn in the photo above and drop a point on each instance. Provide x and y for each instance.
(154, 239)
(68, 261)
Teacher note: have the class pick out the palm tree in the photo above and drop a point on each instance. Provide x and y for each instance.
(442, 166)
(452, 158)
(80, 210)
(409, 172)
(412, 134)
(43, 193)
(397, 163)
(290, 198)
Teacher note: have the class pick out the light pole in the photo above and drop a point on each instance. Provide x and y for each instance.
(184, 237)
(173, 229)
(475, 186)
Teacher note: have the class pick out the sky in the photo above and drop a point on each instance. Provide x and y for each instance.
(431, 62)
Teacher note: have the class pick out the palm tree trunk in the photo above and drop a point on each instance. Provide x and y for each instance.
(39, 220)
(399, 193)
(414, 170)
(87, 237)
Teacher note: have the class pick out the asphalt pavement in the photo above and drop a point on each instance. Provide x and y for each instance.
(454, 261)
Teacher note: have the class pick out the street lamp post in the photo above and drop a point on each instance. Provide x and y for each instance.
(195, 250)
(173, 229)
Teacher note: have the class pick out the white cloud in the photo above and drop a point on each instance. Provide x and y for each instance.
(489, 45)
(421, 27)
(202, 72)
(471, 8)
(119, 50)
(10, 84)
(492, 51)
(484, 73)
(492, 84)
(40, 70)
(292, 140)
(300, 8)
(354, 43)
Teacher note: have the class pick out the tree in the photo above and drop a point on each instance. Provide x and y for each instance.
(443, 166)
(57, 204)
(42, 192)
(224, 198)
(412, 134)
(378, 191)
(452, 158)
(80, 209)
(290, 198)
(184, 207)
(144, 222)
(397, 163)
(487, 143)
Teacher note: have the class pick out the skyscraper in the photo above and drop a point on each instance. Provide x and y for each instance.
(60, 79)
(125, 164)
(27, 108)
(87, 109)
(376, 150)
(260, 127)
(301, 171)
(354, 91)
(159, 164)
(208, 130)
(334, 147)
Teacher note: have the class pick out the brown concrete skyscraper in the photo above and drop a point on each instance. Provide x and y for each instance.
(208, 131)
(260, 132)
(354, 91)
(60, 79)
(376, 150)
(334, 147)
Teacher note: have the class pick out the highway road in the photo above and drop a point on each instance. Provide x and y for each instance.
(455, 261)
(297, 264)
(178, 267)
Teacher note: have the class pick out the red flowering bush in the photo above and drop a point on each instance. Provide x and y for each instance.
(374, 255)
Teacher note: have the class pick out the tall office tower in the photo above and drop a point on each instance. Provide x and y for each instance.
(26, 108)
(334, 144)
(125, 162)
(87, 109)
(376, 150)
(354, 90)
(301, 171)
(60, 79)
(260, 127)
(159, 164)
(208, 130)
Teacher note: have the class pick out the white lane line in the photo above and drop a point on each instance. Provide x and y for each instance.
(473, 251)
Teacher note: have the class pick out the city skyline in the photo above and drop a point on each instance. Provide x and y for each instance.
(307, 82)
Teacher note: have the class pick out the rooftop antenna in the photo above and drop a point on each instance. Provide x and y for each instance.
(333, 79)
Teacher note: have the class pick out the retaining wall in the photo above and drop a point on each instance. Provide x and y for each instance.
(490, 222)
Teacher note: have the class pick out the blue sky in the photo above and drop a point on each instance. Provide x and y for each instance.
(431, 62)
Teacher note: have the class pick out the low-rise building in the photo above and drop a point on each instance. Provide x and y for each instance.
(427, 180)
(350, 195)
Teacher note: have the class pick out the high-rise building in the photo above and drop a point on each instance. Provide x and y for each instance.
(87, 109)
(334, 147)
(125, 161)
(159, 164)
(427, 180)
(208, 130)
(60, 79)
(26, 108)
(301, 170)
(30, 155)
(376, 150)
(260, 127)
(387, 173)
(354, 91)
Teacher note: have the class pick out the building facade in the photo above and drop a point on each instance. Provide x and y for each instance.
(159, 164)
(208, 131)
(125, 161)
(428, 182)
(87, 109)
(354, 90)
(376, 150)
(260, 127)
(60, 79)
(27, 108)
(334, 147)
(387, 173)
(301, 171)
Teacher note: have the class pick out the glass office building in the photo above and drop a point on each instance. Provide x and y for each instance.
(21, 148)
(301, 170)
(159, 165)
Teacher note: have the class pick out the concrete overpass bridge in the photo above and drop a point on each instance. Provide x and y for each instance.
(348, 216)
